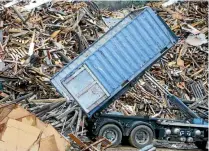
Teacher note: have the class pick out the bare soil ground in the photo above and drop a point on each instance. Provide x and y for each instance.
(124, 148)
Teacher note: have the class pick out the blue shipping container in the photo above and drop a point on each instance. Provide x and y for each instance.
(106, 69)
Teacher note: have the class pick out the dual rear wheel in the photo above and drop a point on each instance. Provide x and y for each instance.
(139, 137)
(112, 132)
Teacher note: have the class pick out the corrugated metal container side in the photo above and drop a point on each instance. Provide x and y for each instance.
(103, 72)
(56, 79)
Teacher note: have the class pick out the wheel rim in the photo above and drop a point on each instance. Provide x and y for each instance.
(111, 135)
(142, 137)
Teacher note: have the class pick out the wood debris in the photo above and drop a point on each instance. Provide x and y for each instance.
(35, 45)
(182, 67)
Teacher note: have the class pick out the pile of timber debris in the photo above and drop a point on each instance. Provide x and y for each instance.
(183, 70)
(36, 44)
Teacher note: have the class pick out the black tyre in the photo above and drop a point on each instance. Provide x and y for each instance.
(141, 136)
(201, 145)
(112, 133)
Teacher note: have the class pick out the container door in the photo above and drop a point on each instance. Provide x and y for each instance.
(85, 88)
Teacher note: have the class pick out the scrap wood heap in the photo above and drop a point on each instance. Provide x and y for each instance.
(183, 70)
(37, 44)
